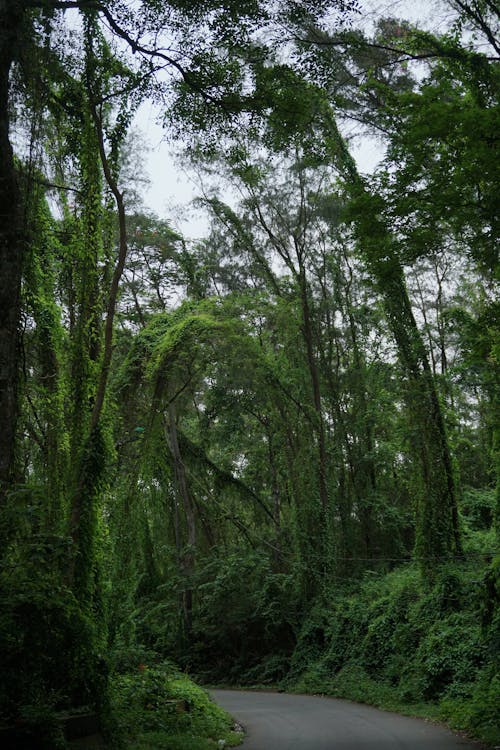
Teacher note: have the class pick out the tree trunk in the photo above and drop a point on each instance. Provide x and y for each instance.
(276, 495)
(11, 252)
(314, 375)
(181, 480)
(82, 495)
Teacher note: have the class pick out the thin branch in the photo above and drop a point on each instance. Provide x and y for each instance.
(57, 186)
(475, 15)
(136, 47)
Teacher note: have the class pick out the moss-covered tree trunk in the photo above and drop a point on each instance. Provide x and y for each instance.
(437, 516)
(188, 555)
(11, 249)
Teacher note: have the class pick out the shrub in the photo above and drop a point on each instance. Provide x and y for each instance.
(160, 702)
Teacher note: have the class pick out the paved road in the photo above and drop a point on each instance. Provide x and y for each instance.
(277, 721)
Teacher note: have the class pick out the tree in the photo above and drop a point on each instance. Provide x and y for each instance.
(11, 248)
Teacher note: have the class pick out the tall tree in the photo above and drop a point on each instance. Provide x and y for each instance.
(12, 245)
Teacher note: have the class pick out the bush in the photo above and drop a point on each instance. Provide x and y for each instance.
(157, 702)
(479, 713)
(50, 650)
(449, 657)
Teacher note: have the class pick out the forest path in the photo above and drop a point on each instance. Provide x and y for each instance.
(278, 721)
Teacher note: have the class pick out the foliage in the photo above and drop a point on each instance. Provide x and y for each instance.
(159, 706)
(400, 646)
(244, 629)
(39, 616)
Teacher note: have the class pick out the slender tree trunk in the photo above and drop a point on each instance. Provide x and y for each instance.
(426, 324)
(275, 490)
(181, 480)
(117, 272)
(315, 383)
(364, 479)
(11, 252)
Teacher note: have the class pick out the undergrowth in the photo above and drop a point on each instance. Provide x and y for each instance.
(428, 650)
(158, 707)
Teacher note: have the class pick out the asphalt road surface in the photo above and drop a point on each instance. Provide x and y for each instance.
(277, 721)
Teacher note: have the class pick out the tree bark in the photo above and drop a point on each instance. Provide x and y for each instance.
(11, 251)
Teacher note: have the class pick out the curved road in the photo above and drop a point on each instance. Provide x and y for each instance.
(277, 721)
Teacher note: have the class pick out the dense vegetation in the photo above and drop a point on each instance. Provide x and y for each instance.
(269, 456)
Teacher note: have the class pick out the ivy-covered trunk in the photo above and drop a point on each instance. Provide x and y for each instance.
(93, 352)
(85, 356)
(187, 561)
(11, 251)
(437, 530)
(437, 533)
